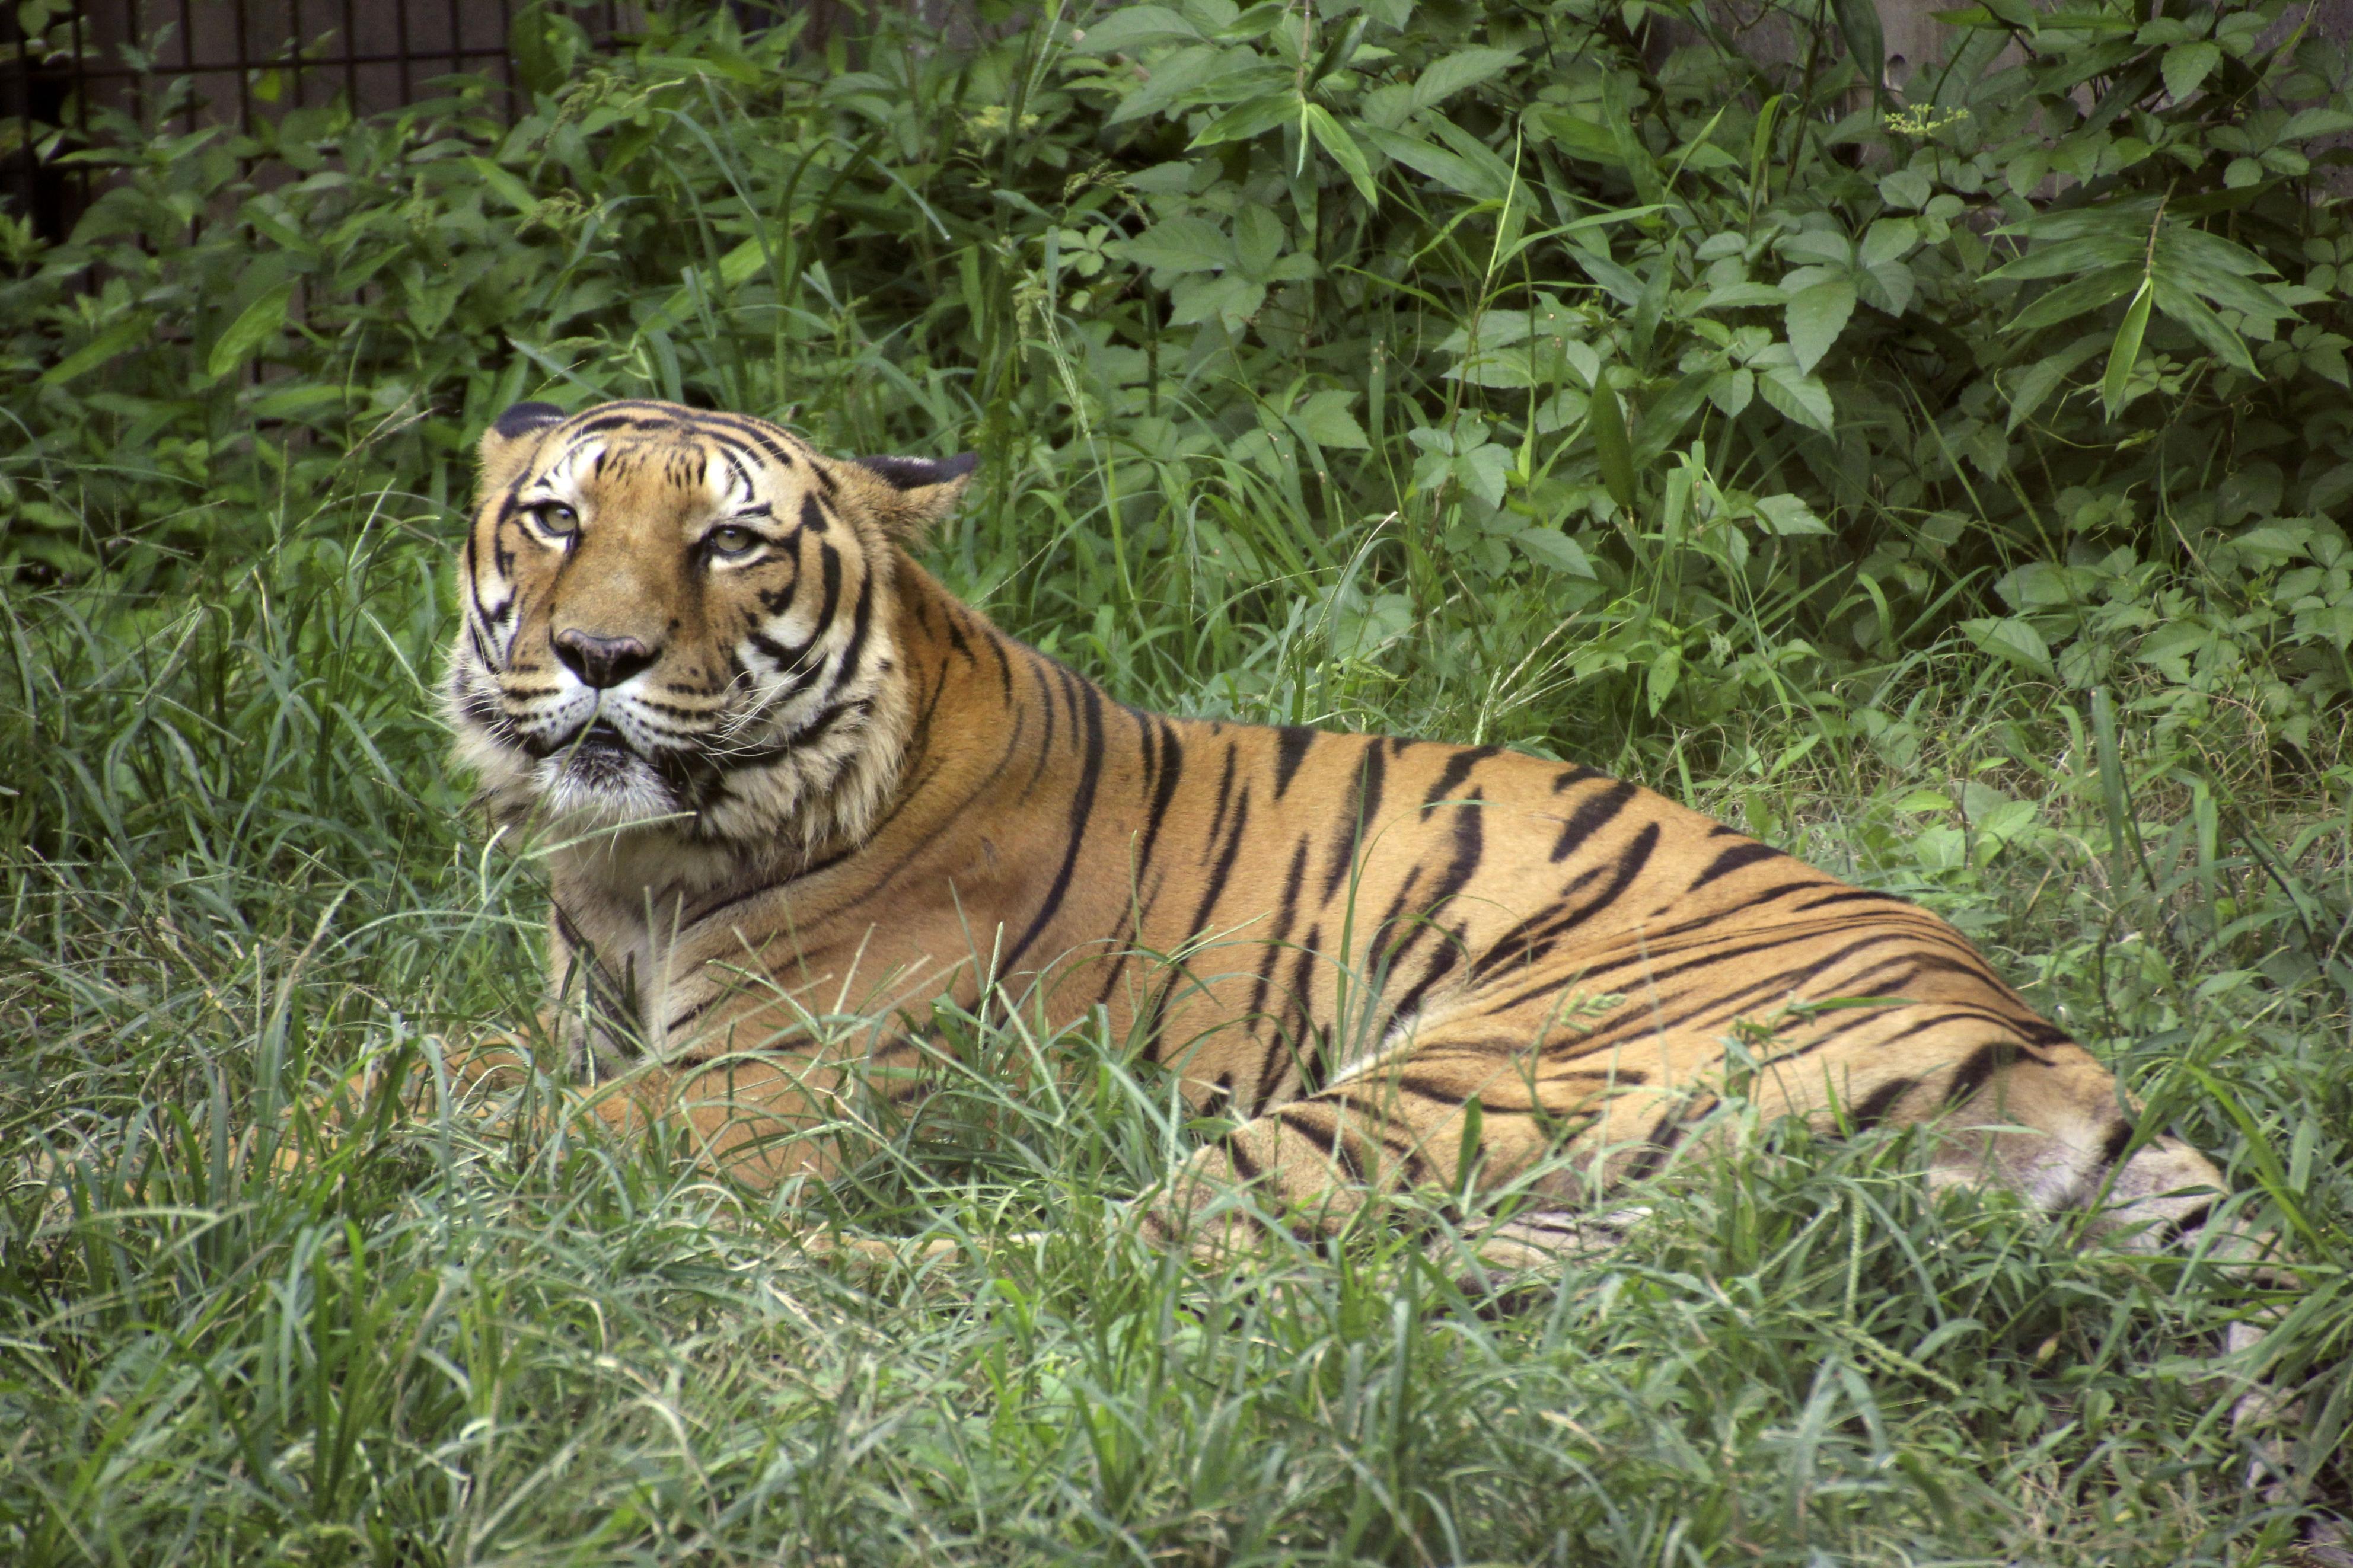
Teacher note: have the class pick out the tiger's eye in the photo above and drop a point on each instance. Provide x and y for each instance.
(555, 518)
(731, 539)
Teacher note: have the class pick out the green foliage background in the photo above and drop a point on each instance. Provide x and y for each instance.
(1948, 484)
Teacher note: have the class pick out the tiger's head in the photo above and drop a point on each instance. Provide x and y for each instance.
(678, 628)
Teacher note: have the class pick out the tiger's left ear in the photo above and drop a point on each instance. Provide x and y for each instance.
(907, 495)
(510, 440)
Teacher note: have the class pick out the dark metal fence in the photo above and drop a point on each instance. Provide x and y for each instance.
(242, 59)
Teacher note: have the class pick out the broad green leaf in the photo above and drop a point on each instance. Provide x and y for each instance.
(2077, 255)
(1455, 173)
(1325, 420)
(1803, 398)
(2045, 586)
(1858, 23)
(2315, 122)
(98, 351)
(1475, 153)
(1824, 245)
(255, 325)
(1258, 240)
(1888, 286)
(509, 189)
(1182, 244)
(1890, 239)
(1172, 78)
(1736, 295)
(1229, 300)
(2080, 298)
(733, 269)
(1607, 422)
(1130, 26)
(1788, 515)
(2013, 639)
(1907, 188)
(539, 66)
(1550, 547)
(2187, 66)
(1666, 667)
(1731, 391)
(1816, 315)
(2042, 377)
(1254, 118)
(1334, 138)
(2192, 312)
(1576, 135)
(1622, 285)
(1463, 68)
(1485, 469)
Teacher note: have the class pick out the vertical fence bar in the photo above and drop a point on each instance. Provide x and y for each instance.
(188, 59)
(243, 70)
(506, 62)
(24, 171)
(400, 32)
(80, 90)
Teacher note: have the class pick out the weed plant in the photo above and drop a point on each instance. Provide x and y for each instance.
(1947, 487)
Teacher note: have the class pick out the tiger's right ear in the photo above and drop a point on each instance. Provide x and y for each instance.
(512, 439)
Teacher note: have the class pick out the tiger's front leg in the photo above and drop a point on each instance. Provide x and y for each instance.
(761, 1118)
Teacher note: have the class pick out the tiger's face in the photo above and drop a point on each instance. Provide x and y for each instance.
(679, 622)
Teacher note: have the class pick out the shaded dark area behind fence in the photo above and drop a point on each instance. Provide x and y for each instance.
(238, 58)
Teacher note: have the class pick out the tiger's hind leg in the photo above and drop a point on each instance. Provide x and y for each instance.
(2008, 1105)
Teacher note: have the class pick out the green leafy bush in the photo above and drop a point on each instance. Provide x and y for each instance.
(1732, 367)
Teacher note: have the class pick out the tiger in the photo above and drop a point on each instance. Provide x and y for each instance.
(780, 775)
(783, 773)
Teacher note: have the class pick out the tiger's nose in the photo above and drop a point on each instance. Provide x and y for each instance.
(601, 662)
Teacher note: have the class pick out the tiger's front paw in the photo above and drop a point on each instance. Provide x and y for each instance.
(499, 1064)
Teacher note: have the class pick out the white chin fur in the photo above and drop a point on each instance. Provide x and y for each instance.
(573, 804)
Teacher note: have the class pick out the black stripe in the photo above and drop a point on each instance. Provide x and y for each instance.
(1333, 1145)
(1441, 964)
(1287, 913)
(1291, 744)
(1313, 1045)
(1225, 789)
(1225, 868)
(1590, 818)
(1853, 896)
(1088, 703)
(1666, 1133)
(1248, 1169)
(1458, 768)
(1732, 860)
(1980, 1065)
(1171, 760)
(861, 620)
(2172, 1232)
(1356, 820)
(1469, 848)
(1875, 1107)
